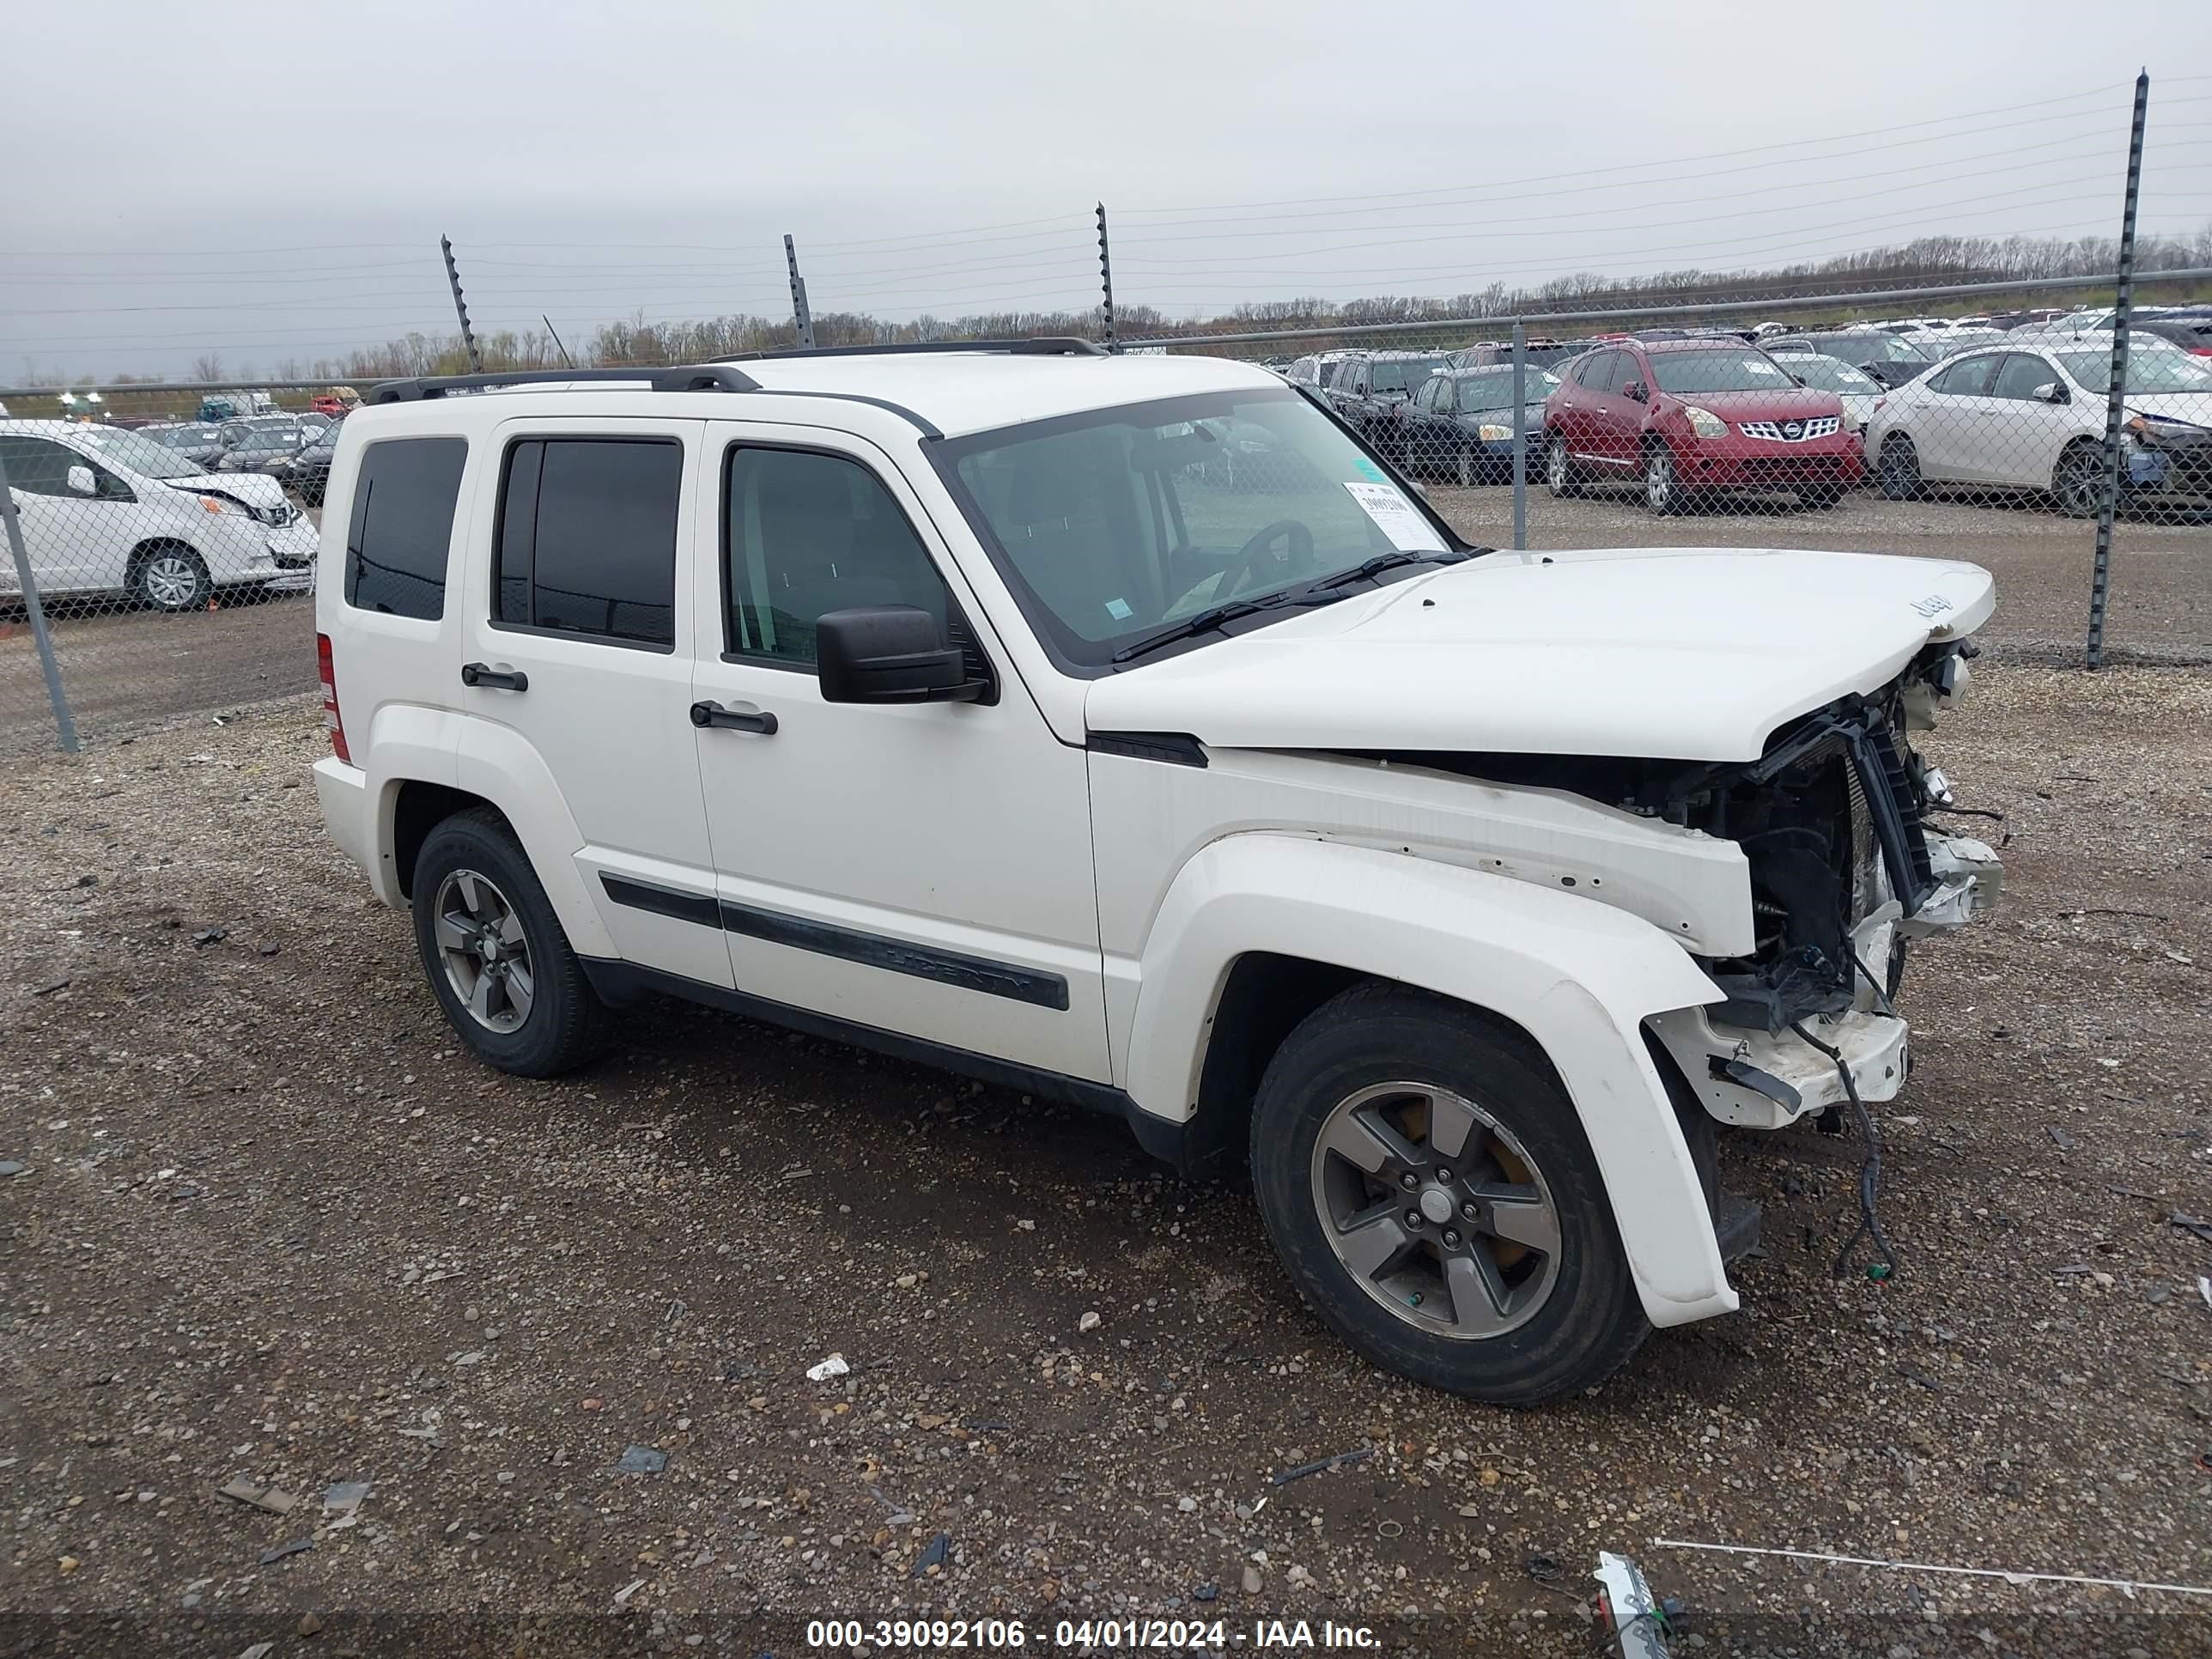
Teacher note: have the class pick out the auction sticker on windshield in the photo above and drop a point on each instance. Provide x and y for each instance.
(1395, 516)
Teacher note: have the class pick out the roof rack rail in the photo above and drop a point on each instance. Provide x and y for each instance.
(1042, 345)
(703, 377)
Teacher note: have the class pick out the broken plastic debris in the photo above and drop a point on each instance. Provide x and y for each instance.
(835, 1365)
(1638, 1625)
(274, 1500)
(623, 1595)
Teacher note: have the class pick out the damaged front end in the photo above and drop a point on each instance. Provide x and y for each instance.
(1846, 869)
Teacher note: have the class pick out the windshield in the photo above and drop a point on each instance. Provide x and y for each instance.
(1494, 388)
(1716, 370)
(1112, 524)
(138, 454)
(1402, 374)
(2163, 370)
(183, 437)
(1874, 347)
(1829, 374)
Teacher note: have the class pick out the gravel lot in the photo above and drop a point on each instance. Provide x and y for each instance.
(270, 1227)
(128, 671)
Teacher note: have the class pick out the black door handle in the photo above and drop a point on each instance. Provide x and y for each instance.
(713, 714)
(477, 673)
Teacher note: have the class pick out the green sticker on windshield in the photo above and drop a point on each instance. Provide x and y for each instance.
(1368, 470)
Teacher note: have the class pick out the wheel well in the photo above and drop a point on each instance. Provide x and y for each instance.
(153, 544)
(420, 808)
(1265, 998)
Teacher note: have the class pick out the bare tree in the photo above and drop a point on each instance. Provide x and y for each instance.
(207, 366)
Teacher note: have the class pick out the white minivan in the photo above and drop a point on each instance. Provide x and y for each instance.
(957, 702)
(107, 511)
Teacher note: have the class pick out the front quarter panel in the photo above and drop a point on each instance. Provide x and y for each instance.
(1579, 977)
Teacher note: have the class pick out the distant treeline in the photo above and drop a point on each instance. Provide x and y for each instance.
(1931, 261)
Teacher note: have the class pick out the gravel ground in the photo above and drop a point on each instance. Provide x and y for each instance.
(130, 671)
(270, 1227)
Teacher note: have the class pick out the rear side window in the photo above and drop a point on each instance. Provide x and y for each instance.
(402, 526)
(587, 538)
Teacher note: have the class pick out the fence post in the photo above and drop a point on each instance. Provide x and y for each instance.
(801, 318)
(460, 307)
(64, 725)
(1106, 278)
(1520, 437)
(2100, 579)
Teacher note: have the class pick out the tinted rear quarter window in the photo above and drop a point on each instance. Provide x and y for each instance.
(402, 526)
(587, 538)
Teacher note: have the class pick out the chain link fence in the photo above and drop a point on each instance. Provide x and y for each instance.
(161, 539)
(1953, 423)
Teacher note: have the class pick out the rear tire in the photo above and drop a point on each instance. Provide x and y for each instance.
(1517, 1301)
(1898, 472)
(540, 1017)
(1560, 475)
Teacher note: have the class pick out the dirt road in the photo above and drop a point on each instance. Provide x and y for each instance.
(268, 1227)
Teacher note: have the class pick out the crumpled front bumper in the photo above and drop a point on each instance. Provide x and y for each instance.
(1766, 1080)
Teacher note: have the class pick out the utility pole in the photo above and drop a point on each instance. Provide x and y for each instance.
(566, 362)
(2100, 580)
(460, 306)
(1106, 277)
(799, 314)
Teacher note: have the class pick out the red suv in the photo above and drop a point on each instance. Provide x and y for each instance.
(1689, 416)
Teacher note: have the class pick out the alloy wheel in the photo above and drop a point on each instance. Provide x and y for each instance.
(1436, 1211)
(485, 952)
(171, 581)
(1659, 481)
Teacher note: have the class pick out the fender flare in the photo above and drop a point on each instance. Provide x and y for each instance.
(498, 764)
(1579, 977)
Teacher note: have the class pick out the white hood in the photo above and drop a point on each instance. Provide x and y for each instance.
(1678, 654)
(255, 488)
(2194, 407)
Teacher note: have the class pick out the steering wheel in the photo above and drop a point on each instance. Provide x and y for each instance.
(1238, 570)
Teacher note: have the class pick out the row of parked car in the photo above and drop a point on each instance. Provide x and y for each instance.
(1685, 414)
(293, 449)
(108, 511)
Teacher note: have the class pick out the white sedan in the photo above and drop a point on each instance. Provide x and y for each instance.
(107, 511)
(2033, 417)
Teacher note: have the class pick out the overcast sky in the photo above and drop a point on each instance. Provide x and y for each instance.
(269, 181)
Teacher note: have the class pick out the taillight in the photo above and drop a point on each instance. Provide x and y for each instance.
(333, 722)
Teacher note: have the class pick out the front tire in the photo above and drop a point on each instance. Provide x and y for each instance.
(1662, 487)
(1427, 1184)
(171, 577)
(2077, 483)
(495, 955)
(1899, 470)
(1821, 497)
(1559, 476)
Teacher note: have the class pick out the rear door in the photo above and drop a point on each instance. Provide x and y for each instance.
(577, 668)
(1958, 434)
(917, 868)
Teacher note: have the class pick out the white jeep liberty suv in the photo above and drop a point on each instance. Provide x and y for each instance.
(1125, 731)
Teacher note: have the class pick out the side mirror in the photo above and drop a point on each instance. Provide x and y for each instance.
(2051, 392)
(1635, 389)
(887, 653)
(81, 482)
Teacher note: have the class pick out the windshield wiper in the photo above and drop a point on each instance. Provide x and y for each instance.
(1204, 621)
(1374, 568)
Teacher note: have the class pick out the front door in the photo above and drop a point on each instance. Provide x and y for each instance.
(922, 868)
(75, 542)
(578, 671)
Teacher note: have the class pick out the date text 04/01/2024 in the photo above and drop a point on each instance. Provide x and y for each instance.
(1170, 1634)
